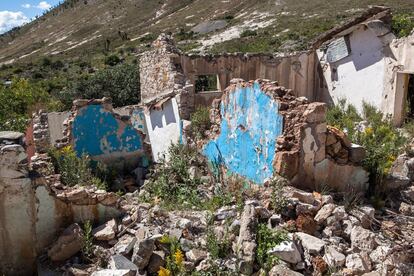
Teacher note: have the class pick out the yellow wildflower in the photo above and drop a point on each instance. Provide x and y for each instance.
(164, 272)
(67, 149)
(369, 131)
(179, 257)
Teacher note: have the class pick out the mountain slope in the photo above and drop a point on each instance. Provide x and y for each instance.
(80, 28)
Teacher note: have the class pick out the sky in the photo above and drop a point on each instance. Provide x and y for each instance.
(14, 13)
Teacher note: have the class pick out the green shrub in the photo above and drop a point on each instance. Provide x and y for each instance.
(217, 248)
(87, 245)
(112, 60)
(172, 182)
(278, 199)
(120, 83)
(200, 122)
(402, 24)
(382, 141)
(74, 170)
(248, 33)
(18, 101)
(266, 240)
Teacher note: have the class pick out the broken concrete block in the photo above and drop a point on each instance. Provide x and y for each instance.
(311, 244)
(68, 244)
(106, 231)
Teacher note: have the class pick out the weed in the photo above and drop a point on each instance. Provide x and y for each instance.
(402, 24)
(172, 182)
(279, 200)
(266, 240)
(218, 248)
(248, 33)
(382, 141)
(74, 170)
(200, 122)
(87, 244)
(175, 258)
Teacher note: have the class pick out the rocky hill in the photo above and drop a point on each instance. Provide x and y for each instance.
(85, 28)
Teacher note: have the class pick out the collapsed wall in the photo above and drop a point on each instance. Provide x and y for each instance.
(35, 206)
(166, 71)
(260, 128)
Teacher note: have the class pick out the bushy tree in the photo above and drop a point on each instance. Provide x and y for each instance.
(121, 83)
(18, 101)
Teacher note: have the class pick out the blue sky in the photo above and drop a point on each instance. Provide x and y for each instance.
(17, 12)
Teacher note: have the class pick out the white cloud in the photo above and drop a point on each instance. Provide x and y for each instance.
(9, 20)
(26, 6)
(44, 5)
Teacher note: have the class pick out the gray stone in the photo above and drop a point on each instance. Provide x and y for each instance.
(281, 270)
(10, 135)
(362, 239)
(68, 244)
(380, 253)
(120, 262)
(357, 153)
(287, 251)
(358, 263)
(113, 272)
(310, 243)
(304, 197)
(125, 245)
(156, 261)
(184, 223)
(334, 258)
(106, 231)
(225, 213)
(142, 252)
(365, 215)
(324, 213)
(209, 26)
(196, 255)
(246, 242)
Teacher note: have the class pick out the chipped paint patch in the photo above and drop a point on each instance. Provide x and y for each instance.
(250, 126)
(97, 132)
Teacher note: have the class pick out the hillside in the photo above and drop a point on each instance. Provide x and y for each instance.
(79, 29)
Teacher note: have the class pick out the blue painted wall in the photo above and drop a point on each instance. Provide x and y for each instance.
(97, 132)
(250, 126)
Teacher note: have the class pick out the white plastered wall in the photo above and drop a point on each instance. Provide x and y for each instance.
(164, 128)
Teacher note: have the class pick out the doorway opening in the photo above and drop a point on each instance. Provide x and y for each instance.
(410, 98)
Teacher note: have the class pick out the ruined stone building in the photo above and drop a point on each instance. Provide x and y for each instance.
(359, 61)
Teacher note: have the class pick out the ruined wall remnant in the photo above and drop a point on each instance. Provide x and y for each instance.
(165, 71)
(17, 208)
(99, 132)
(164, 126)
(260, 128)
(35, 207)
(250, 120)
(161, 76)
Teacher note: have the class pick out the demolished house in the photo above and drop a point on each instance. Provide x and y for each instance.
(259, 128)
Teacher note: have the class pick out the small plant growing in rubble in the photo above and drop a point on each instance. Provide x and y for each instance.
(175, 259)
(402, 24)
(381, 140)
(172, 182)
(218, 248)
(200, 122)
(73, 169)
(87, 239)
(266, 240)
(279, 200)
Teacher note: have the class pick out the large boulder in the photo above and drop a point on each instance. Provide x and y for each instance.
(106, 231)
(68, 244)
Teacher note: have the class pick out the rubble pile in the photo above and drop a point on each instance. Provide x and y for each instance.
(320, 236)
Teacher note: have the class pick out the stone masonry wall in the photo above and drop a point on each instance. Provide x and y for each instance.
(260, 128)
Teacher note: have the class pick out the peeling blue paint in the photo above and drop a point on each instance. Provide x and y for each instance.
(250, 126)
(97, 132)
